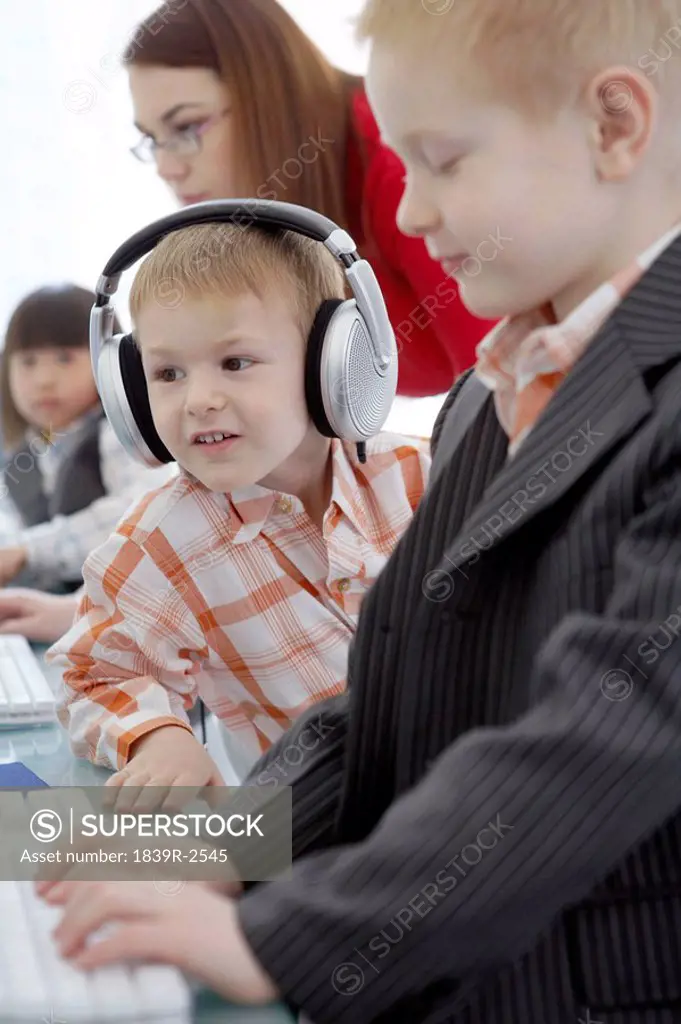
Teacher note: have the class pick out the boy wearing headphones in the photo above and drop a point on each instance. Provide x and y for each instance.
(241, 581)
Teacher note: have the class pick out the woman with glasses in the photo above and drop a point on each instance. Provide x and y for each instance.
(232, 99)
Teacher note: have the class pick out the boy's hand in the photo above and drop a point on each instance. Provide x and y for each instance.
(195, 930)
(168, 756)
(12, 561)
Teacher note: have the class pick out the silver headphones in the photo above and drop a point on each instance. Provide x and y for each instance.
(351, 361)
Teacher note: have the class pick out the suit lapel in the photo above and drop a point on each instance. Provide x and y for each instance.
(598, 405)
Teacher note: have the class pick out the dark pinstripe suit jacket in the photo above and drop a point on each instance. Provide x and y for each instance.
(488, 825)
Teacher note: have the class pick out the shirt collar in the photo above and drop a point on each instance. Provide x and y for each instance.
(251, 508)
(346, 493)
(522, 347)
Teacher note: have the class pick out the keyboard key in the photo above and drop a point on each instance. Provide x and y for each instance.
(162, 991)
(26, 697)
(17, 694)
(71, 991)
(114, 993)
(21, 976)
(34, 680)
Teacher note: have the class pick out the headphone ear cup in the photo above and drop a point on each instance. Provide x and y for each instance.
(123, 390)
(347, 395)
(313, 366)
(137, 396)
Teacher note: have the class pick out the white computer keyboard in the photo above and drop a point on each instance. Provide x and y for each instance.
(38, 986)
(26, 698)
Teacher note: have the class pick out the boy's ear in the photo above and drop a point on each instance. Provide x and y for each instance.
(622, 106)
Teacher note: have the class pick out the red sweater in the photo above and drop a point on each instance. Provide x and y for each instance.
(436, 335)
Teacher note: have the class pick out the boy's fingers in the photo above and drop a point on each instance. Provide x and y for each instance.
(110, 792)
(215, 795)
(179, 794)
(56, 872)
(50, 890)
(128, 942)
(90, 906)
(50, 874)
(125, 797)
(61, 891)
(15, 625)
(151, 797)
(48, 877)
(125, 789)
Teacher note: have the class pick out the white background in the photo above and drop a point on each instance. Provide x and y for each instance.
(71, 190)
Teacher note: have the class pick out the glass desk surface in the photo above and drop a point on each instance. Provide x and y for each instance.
(45, 750)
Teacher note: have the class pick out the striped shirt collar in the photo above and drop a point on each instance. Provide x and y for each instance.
(525, 357)
(251, 508)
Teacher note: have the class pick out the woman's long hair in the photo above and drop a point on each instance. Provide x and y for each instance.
(290, 105)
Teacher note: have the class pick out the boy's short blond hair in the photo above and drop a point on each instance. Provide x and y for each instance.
(536, 54)
(229, 260)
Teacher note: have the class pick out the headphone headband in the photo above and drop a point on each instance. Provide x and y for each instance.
(351, 353)
(261, 212)
(264, 213)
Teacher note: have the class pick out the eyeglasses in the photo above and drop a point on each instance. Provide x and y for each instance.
(184, 142)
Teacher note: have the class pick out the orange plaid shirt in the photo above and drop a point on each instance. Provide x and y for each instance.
(524, 358)
(236, 598)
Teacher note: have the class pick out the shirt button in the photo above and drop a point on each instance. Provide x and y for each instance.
(343, 585)
(285, 505)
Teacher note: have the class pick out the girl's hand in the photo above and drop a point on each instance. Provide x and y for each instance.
(12, 561)
(43, 618)
(195, 930)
